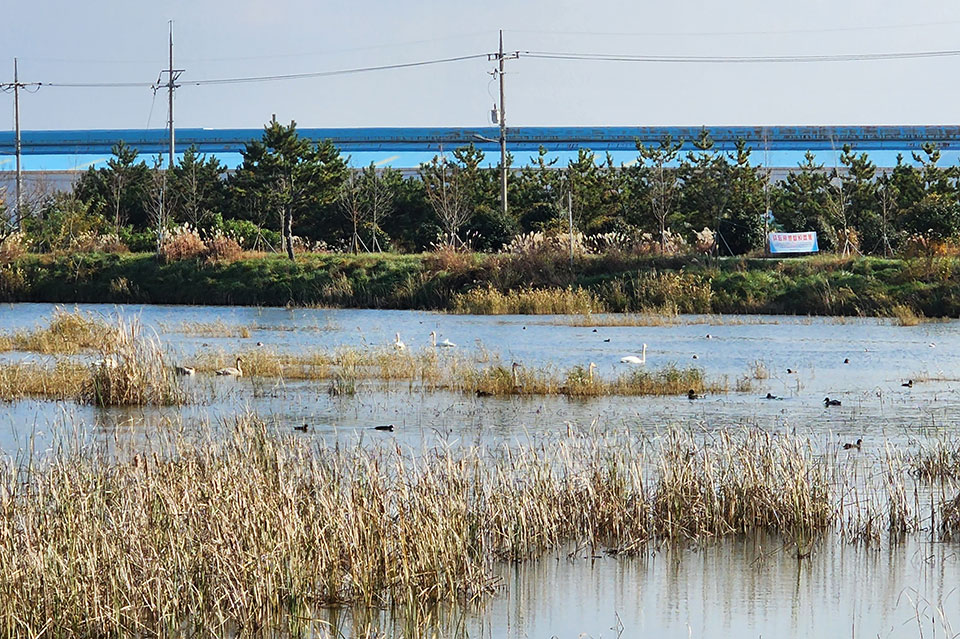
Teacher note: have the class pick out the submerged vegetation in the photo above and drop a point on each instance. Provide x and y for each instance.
(254, 529)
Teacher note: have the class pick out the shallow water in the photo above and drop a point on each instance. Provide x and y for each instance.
(732, 589)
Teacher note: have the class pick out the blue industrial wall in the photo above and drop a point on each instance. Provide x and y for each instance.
(774, 138)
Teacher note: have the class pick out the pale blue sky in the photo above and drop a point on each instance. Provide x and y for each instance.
(96, 40)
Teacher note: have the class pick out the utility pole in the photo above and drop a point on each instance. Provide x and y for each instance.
(16, 125)
(500, 57)
(15, 86)
(172, 76)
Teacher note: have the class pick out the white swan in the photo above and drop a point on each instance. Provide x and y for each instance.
(400, 346)
(633, 359)
(590, 371)
(444, 344)
(232, 371)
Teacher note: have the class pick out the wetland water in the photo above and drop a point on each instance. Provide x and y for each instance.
(735, 588)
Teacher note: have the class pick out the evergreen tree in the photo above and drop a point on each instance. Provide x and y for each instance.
(197, 189)
(704, 175)
(802, 202)
(117, 191)
(741, 227)
(662, 184)
(289, 176)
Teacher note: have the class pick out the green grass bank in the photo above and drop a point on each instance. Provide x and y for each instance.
(481, 283)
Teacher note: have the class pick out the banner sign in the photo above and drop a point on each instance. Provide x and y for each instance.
(794, 242)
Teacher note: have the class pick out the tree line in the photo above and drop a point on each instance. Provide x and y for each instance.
(290, 190)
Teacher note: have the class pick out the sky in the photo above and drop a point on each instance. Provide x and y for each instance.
(100, 41)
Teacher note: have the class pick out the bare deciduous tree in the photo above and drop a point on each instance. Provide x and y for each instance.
(446, 191)
(378, 197)
(349, 199)
(155, 200)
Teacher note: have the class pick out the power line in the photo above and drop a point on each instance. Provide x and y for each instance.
(682, 59)
(884, 27)
(547, 55)
(97, 85)
(323, 74)
(264, 78)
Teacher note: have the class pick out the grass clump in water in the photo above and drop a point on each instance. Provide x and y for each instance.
(27, 379)
(527, 301)
(132, 371)
(905, 316)
(67, 333)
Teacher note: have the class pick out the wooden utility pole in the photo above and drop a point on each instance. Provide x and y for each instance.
(500, 57)
(16, 125)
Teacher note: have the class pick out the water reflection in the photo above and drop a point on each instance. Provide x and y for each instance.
(740, 587)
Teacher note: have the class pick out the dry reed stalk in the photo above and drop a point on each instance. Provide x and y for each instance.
(64, 381)
(528, 301)
(132, 371)
(205, 535)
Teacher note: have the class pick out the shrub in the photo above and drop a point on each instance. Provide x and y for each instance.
(182, 243)
(12, 247)
(222, 248)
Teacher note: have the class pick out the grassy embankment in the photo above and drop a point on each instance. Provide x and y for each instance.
(825, 285)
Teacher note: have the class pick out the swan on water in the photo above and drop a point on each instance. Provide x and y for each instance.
(633, 359)
(232, 371)
(444, 344)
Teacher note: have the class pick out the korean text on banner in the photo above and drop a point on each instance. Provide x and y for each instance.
(794, 242)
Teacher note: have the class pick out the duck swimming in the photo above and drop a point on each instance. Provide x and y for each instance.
(831, 402)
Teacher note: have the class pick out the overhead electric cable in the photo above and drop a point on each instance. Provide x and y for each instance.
(882, 27)
(685, 59)
(321, 74)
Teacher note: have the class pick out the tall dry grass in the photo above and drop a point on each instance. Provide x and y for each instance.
(253, 531)
(63, 381)
(527, 301)
(67, 333)
(131, 371)
(432, 369)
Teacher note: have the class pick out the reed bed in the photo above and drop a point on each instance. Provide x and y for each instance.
(63, 381)
(131, 371)
(67, 333)
(216, 533)
(253, 531)
(434, 370)
(527, 301)
(937, 461)
(902, 315)
(218, 328)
